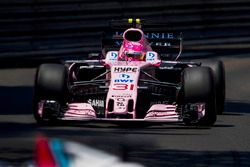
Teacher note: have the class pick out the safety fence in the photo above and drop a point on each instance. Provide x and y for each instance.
(61, 28)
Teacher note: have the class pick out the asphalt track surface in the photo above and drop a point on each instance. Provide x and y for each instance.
(225, 144)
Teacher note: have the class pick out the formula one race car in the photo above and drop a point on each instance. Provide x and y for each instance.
(131, 82)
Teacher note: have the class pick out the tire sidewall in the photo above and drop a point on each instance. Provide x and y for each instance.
(218, 70)
(198, 87)
(51, 81)
(50, 84)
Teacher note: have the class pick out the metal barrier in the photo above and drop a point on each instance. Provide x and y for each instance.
(52, 28)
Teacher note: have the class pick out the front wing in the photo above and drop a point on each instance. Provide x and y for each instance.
(161, 113)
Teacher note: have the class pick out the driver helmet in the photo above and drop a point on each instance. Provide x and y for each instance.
(133, 51)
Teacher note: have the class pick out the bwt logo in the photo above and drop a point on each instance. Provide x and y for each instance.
(123, 81)
(150, 56)
(126, 76)
(125, 69)
(114, 55)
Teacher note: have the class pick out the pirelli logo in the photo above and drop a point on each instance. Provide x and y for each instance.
(125, 69)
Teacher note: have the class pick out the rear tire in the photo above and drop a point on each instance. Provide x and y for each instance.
(198, 87)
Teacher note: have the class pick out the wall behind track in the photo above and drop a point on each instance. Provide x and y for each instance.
(51, 28)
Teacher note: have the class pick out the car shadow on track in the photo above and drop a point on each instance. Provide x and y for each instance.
(16, 100)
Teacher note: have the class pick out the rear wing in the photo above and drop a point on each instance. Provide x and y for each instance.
(167, 44)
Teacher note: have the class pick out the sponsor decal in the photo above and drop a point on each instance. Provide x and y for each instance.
(125, 69)
(159, 35)
(160, 44)
(113, 56)
(122, 96)
(123, 80)
(150, 56)
(120, 104)
(123, 86)
(163, 44)
(96, 102)
(150, 35)
(124, 76)
(120, 99)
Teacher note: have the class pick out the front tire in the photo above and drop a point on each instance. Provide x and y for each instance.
(218, 70)
(50, 84)
(198, 87)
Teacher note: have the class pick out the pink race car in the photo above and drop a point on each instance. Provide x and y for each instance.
(131, 83)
